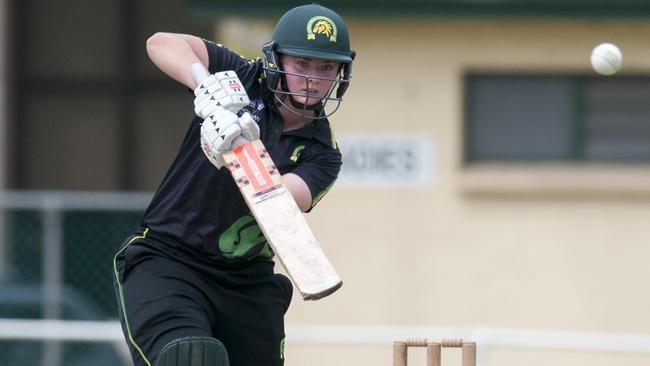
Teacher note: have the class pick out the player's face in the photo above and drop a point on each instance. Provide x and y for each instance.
(309, 80)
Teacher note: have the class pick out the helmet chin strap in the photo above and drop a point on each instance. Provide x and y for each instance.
(312, 107)
(296, 107)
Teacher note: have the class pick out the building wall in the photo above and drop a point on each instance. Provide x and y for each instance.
(554, 247)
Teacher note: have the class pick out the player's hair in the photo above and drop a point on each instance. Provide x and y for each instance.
(315, 32)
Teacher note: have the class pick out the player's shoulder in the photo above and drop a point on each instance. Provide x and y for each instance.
(222, 58)
(215, 49)
(323, 132)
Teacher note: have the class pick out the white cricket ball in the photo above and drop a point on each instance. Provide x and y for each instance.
(606, 59)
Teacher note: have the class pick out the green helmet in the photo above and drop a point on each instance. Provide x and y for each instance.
(309, 31)
(313, 31)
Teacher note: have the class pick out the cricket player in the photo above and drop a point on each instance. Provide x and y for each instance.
(195, 283)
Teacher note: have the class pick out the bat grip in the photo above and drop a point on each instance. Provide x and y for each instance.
(199, 72)
(239, 140)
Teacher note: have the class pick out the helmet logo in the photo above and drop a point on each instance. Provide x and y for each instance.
(321, 25)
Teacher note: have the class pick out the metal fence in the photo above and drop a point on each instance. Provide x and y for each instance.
(56, 254)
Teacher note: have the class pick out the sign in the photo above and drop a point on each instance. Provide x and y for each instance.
(389, 161)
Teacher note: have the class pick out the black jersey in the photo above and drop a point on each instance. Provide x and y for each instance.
(201, 207)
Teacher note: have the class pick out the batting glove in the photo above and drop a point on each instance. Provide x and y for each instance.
(249, 128)
(222, 130)
(222, 89)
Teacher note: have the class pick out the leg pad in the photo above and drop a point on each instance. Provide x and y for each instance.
(193, 351)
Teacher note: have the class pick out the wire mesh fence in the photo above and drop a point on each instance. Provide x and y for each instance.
(56, 254)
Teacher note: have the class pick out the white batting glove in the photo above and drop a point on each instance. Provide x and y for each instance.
(220, 132)
(222, 89)
(249, 128)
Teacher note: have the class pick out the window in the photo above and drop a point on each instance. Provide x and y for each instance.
(91, 111)
(527, 118)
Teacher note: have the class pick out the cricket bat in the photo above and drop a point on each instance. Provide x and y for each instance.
(278, 215)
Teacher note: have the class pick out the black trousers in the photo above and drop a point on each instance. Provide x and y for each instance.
(165, 291)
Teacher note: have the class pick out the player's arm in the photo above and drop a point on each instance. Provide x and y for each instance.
(299, 190)
(317, 170)
(175, 53)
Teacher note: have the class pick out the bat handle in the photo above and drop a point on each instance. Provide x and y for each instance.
(199, 72)
(239, 140)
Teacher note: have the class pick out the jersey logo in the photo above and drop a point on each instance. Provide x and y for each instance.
(296, 153)
(320, 25)
(244, 239)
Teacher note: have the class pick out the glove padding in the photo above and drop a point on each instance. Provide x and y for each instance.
(222, 89)
(249, 128)
(220, 130)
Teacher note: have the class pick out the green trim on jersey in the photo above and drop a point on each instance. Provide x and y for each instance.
(334, 145)
(121, 291)
(322, 194)
(282, 349)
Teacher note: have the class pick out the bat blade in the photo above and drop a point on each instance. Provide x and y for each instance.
(281, 221)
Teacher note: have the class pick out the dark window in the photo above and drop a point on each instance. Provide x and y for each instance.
(90, 110)
(512, 118)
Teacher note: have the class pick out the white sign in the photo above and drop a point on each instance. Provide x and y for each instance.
(386, 161)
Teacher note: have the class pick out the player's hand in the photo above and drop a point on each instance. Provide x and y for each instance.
(222, 130)
(249, 128)
(222, 89)
(218, 131)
